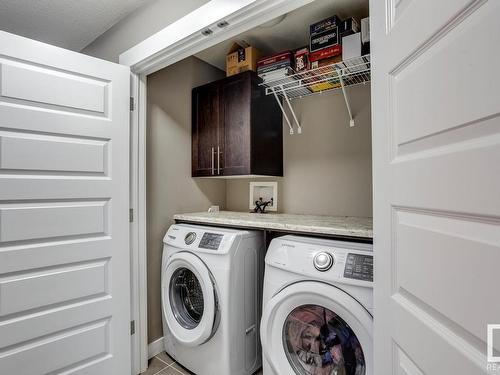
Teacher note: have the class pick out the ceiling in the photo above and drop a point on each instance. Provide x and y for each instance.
(291, 33)
(71, 24)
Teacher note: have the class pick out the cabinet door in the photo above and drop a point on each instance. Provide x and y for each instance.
(234, 139)
(205, 123)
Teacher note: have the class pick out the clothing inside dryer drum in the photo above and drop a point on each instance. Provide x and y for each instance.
(186, 298)
(319, 342)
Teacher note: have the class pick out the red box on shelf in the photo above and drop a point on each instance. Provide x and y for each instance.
(302, 60)
(326, 53)
(275, 59)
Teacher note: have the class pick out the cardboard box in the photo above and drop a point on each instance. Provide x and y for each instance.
(349, 26)
(324, 73)
(302, 60)
(324, 25)
(273, 67)
(365, 35)
(365, 30)
(328, 38)
(241, 58)
(325, 53)
(282, 57)
(326, 62)
(351, 46)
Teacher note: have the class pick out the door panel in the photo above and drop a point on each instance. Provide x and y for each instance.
(69, 155)
(235, 133)
(436, 136)
(64, 251)
(26, 82)
(205, 130)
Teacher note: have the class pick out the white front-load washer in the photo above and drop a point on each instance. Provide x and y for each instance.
(212, 298)
(317, 307)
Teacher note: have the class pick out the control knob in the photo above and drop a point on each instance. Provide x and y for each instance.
(189, 238)
(323, 261)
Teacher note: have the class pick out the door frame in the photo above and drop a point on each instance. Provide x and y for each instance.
(177, 41)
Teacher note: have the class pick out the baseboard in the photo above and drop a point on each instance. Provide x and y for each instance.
(156, 347)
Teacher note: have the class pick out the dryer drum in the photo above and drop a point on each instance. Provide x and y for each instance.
(186, 298)
(319, 342)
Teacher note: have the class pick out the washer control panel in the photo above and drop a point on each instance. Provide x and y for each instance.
(359, 267)
(210, 241)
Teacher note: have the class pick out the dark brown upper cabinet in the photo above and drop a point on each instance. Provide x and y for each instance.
(237, 130)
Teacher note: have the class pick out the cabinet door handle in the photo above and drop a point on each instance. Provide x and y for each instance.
(218, 160)
(213, 166)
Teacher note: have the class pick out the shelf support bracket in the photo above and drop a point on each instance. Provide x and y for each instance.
(346, 98)
(282, 110)
(299, 128)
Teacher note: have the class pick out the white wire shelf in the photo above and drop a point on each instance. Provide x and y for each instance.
(350, 72)
(337, 76)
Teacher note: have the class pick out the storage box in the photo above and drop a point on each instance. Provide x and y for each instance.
(348, 26)
(325, 62)
(365, 30)
(278, 58)
(241, 58)
(328, 38)
(351, 46)
(325, 53)
(352, 52)
(302, 60)
(324, 33)
(324, 25)
(365, 35)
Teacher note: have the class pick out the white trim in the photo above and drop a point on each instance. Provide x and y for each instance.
(155, 348)
(138, 225)
(183, 38)
(149, 56)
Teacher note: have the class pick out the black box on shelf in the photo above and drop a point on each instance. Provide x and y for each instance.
(324, 39)
(324, 25)
(349, 26)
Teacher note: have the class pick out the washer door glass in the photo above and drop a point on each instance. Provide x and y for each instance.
(319, 342)
(186, 298)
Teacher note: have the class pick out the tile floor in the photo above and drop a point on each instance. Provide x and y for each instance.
(162, 364)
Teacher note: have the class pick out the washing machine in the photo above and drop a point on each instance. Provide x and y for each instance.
(212, 298)
(317, 307)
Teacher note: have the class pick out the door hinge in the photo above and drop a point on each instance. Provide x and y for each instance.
(132, 104)
(132, 327)
(131, 215)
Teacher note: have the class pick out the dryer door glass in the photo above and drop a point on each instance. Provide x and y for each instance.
(319, 342)
(186, 298)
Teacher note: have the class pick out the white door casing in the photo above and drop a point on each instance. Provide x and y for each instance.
(436, 154)
(64, 232)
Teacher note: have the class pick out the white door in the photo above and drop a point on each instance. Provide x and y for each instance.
(64, 244)
(436, 146)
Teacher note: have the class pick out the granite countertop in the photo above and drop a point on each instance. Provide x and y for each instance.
(314, 224)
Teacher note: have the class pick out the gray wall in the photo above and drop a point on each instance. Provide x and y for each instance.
(327, 168)
(144, 22)
(170, 188)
